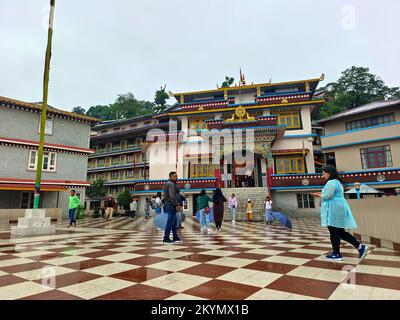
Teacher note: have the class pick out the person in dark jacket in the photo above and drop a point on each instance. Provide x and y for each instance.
(218, 205)
(171, 207)
(203, 201)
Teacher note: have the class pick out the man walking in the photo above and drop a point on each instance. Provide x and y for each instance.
(74, 203)
(171, 207)
(110, 207)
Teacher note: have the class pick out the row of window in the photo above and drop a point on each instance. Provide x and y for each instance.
(137, 173)
(116, 160)
(202, 170)
(370, 121)
(120, 129)
(118, 145)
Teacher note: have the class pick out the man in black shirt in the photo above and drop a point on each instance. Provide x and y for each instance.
(171, 207)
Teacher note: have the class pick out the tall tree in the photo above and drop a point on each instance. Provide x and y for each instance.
(96, 192)
(100, 111)
(160, 99)
(127, 106)
(228, 82)
(79, 110)
(356, 87)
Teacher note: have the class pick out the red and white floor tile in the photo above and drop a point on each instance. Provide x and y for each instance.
(125, 259)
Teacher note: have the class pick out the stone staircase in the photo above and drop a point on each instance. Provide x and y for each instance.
(257, 196)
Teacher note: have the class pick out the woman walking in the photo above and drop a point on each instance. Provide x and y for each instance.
(233, 206)
(336, 214)
(218, 206)
(203, 206)
(147, 209)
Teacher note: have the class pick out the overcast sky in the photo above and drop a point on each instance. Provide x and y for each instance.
(103, 48)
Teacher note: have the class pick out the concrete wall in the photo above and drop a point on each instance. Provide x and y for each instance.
(15, 164)
(286, 202)
(377, 217)
(66, 132)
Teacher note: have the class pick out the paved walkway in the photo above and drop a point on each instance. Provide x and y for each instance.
(122, 259)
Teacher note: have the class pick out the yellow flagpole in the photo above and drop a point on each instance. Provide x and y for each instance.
(44, 107)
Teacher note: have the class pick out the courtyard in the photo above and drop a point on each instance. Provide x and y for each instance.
(124, 259)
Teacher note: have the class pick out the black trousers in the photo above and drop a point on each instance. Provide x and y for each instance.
(338, 234)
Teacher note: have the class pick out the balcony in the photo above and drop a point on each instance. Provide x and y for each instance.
(107, 167)
(360, 136)
(110, 153)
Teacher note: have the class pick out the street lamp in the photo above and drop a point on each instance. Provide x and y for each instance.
(357, 185)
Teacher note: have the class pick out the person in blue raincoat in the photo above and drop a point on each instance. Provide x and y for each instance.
(336, 214)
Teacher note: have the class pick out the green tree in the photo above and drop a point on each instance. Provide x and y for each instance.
(96, 192)
(228, 82)
(100, 111)
(124, 198)
(356, 87)
(160, 100)
(127, 106)
(79, 110)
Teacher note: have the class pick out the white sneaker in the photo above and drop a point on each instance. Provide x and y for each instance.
(233, 221)
(209, 229)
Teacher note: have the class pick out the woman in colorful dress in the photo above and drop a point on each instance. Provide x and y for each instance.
(336, 214)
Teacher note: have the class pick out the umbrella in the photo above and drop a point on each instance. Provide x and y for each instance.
(160, 220)
(282, 219)
(364, 189)
(210, 215)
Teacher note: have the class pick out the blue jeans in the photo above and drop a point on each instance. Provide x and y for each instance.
(205, 219)
(133, 214)
(233, 210)
(158, 210)
(72, 216)
(171, 222)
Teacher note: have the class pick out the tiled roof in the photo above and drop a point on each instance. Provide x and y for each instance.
(8, 102)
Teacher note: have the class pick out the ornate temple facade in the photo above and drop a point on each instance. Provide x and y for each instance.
(235, 138)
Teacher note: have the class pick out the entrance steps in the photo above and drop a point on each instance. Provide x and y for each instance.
(257, 196)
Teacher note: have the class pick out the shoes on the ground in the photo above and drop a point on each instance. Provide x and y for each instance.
(334, 257)
(362, 252)
(233, 221)
(167, 241)
(177, 240)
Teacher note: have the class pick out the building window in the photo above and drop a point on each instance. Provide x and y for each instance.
(100, 162)
(27, 200)
(370, 122)
(101, 148)
(115, 161)
(197, 124)
(117, 129)
(113, 190)
(131, 143)
(290, 165)
(49, 161)
(114, 175)
(104, 132)
(305, 201)
(49, 126)
(129, 173)
(116, 146)
(129, 158)
(133, 125)
(201, 170)
(376, 157)
(289, 119)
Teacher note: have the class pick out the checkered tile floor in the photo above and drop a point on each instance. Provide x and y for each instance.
(123, 259)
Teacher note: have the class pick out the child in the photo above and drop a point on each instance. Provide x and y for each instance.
(133, 208)
(203, 206)
(249, 210)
